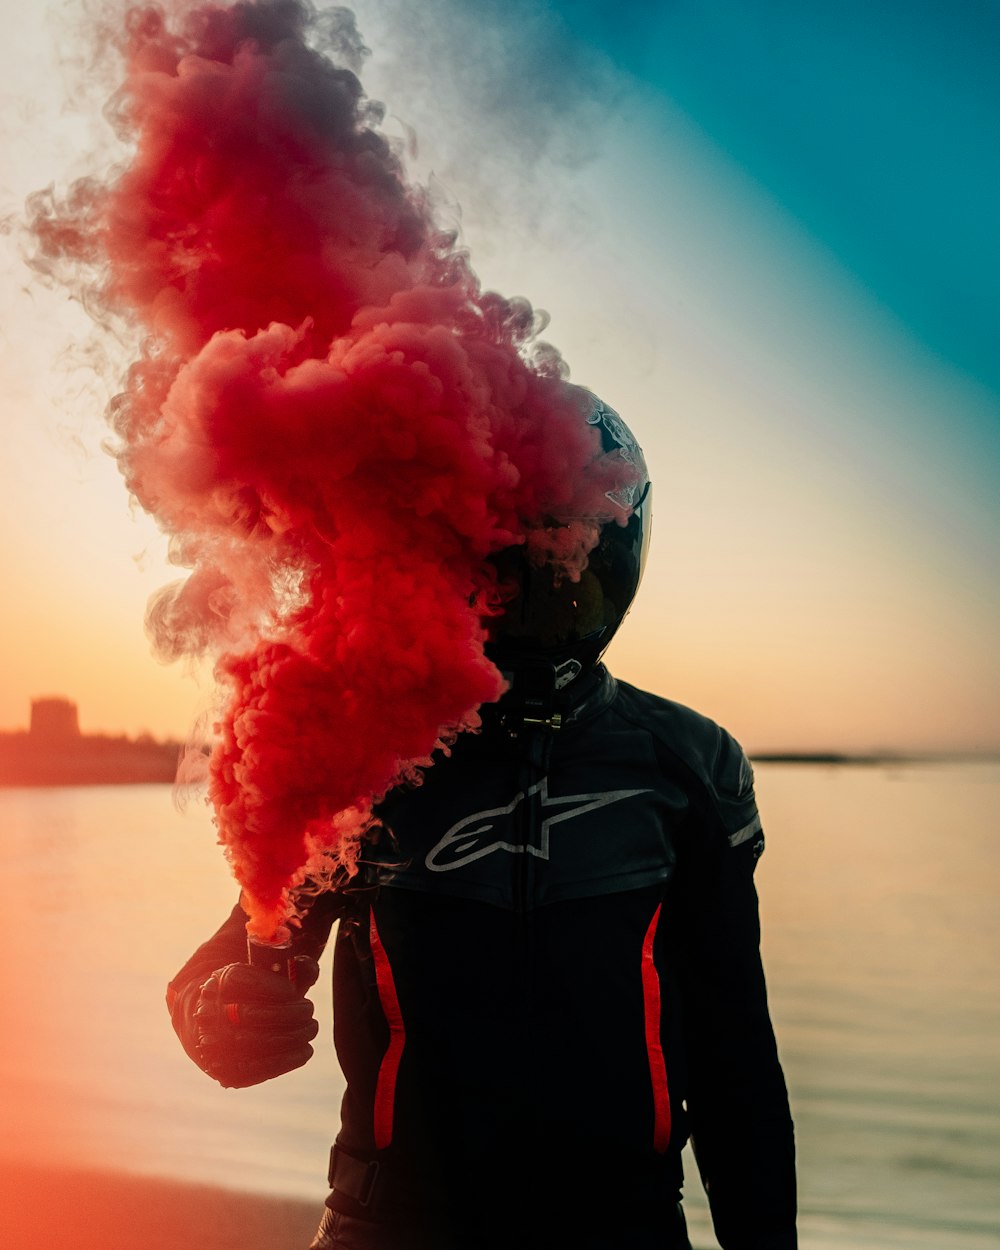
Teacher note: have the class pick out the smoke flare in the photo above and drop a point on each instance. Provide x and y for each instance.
(331, 419)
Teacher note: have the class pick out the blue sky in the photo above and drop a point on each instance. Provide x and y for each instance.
(875, 123)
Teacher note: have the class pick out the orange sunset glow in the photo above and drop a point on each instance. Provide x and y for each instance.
(822, 570)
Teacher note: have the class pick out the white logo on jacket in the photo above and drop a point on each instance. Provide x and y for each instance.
(482, 833)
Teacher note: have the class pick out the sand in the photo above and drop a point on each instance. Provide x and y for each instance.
(41, 1209)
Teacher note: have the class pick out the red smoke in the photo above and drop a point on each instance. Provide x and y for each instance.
(332, 420)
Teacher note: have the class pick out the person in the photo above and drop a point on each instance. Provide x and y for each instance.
(547, 975)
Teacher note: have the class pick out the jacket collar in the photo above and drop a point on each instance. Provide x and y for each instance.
(580, 700)
(588, 695)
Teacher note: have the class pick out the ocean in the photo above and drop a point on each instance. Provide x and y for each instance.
(881, 941)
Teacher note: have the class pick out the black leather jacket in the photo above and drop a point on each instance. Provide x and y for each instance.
(547, 977)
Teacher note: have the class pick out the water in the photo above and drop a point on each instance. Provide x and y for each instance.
(881, 942)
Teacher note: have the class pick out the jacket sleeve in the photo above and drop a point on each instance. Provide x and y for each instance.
(738, 1111)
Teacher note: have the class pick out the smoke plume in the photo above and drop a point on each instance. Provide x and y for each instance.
(333, 422)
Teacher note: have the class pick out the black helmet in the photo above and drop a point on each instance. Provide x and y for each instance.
(568, 615)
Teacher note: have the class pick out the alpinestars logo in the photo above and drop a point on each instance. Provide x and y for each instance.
(485, 832)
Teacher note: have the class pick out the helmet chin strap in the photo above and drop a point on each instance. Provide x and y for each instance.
(530, 702)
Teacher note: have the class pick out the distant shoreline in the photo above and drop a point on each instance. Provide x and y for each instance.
(876, 758)
(89, 759)
(98, 760)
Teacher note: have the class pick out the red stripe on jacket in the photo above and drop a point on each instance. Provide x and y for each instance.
(654, 1048)
(385, 1088)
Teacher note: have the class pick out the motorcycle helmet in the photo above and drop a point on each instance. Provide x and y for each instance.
(566, 612)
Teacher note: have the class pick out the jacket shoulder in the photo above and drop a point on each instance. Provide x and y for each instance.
(707, 754)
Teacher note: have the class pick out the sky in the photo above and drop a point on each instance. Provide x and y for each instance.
(764, 233)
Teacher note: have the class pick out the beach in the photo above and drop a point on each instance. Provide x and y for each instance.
(94, 1210)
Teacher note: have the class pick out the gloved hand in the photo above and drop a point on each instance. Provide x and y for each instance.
(245, 1024)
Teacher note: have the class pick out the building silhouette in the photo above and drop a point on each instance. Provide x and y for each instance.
(54, 720)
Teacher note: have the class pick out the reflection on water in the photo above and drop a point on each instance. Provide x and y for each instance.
(881, 941)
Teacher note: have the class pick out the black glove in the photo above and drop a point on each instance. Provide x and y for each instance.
(247, 1024)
